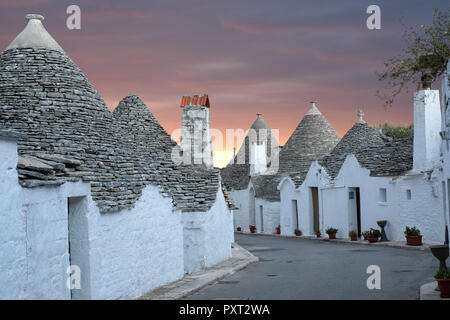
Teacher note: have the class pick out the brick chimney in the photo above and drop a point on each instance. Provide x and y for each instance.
(196, 141)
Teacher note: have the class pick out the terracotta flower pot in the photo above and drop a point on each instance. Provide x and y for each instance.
(372, 239)
(354, 238)
(318, 235)
(444, 287)
(366, 237)
(252, 229)
(239, 229)
(298, 233)
(414, 240)
(278, 230)
(332, 236)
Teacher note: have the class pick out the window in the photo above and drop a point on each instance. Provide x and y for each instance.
(382, 196)
(351, 195)
(408, 194)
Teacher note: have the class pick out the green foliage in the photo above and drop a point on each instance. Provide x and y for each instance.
(375, 233)
(397, 131)
(331, 230)
(422, 62)
(352, 233)
(297, 231)
(442, 274)
(412, 231)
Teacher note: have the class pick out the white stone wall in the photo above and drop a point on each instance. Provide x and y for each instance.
(121, 255)
(427, 124)
(13, 266)
(270, 215)
(287, 194)
(445, 147)
(136, 250)
(240, 199)
(207, 236)
(425, 210)
(196, 135)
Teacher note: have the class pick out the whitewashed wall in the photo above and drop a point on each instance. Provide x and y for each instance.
(270, 215)
(425, 210)
(240, 199)
(136, 250)
(207, 236)
(121, 255)
(287, 194)
(13, 264)
(445, 147)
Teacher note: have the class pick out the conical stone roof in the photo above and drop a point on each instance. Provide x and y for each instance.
(312, 139)
(236, 174)
(380, 154)
(45, 95)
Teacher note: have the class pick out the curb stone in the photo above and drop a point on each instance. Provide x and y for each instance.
(390, 244)
(191, 283)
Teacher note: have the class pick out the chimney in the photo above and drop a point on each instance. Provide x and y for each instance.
(196, 141)
(427, 125)
(258, 149)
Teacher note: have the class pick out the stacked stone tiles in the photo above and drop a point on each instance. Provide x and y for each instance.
(45, 95)
(193, 188)
(313, 139)
(382, 155)
(235, 175)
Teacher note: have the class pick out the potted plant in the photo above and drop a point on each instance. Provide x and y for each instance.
(366, 235)
(443, 279)
(413, 236)
(252, 229)
(239, 229)
(278, 229)
(298, 232)
(331, 232)
(318, 234)
(374, 235)
(353, 235)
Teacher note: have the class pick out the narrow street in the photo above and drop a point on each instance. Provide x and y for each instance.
(304, 269)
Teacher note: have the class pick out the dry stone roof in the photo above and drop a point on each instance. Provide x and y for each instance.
(312, 139)
(45, 95)
(236, 175)
(382, 155)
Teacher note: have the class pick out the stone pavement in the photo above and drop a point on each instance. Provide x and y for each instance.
(240, 259)
(392, 244)
(428, 292)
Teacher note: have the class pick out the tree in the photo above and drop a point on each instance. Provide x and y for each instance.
(397, 131)
(422, 62)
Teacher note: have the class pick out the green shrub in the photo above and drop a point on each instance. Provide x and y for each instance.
(352, 233)
(412, 231)
(442, 274)
(331, 230)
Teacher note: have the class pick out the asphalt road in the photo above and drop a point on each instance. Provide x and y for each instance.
(307, 269)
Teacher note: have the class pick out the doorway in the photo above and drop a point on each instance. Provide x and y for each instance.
(261, 216)
(294, 216)
(251, 208)
(315, 209)
(78, 248)
(354, 207)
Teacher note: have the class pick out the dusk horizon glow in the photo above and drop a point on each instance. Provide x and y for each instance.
(249, 56)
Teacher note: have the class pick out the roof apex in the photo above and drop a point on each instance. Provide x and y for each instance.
(35, 36)
(313, 110)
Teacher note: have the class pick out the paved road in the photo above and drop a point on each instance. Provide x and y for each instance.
(306, 269)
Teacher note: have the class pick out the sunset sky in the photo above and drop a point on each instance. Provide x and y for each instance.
(249, 56)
